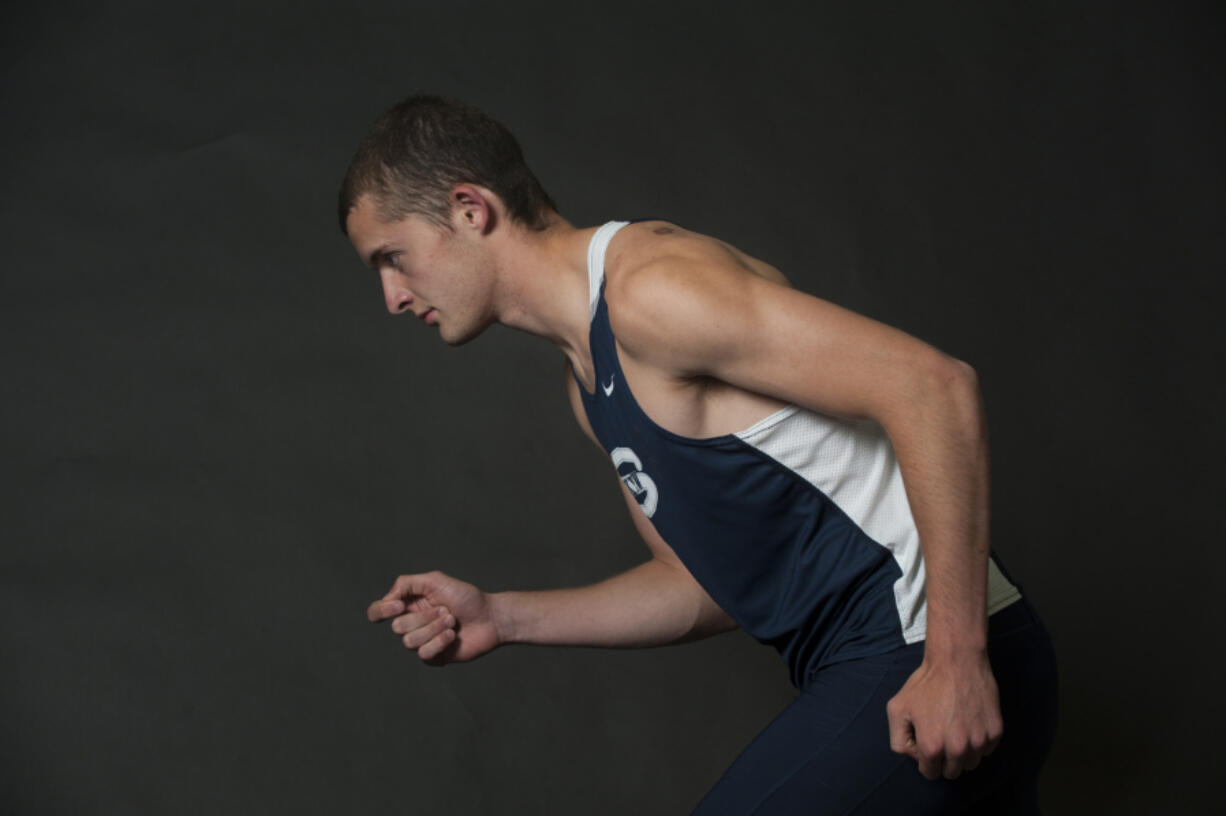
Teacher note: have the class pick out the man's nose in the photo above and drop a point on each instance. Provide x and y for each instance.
(394, 292)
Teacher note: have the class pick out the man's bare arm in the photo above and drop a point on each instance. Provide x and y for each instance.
(446, 620)
(708, 316)
(653, 604)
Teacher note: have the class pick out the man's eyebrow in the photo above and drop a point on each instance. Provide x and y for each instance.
(374, 256)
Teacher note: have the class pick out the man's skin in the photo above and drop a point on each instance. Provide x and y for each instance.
(710, 341)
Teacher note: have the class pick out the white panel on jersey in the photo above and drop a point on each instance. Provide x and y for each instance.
(853, 463)
(595, 261)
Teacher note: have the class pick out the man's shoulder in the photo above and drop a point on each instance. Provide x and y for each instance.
(656, 247)
(650, 257)
(663, 281)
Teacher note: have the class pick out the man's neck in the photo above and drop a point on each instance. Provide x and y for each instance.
(543, 286)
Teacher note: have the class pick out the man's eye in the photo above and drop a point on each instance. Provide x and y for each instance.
(392, 259)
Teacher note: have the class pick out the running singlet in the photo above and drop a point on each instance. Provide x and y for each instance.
(798, 527)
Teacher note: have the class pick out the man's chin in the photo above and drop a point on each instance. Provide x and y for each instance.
(459, 339)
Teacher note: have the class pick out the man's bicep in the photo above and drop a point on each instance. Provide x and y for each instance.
(756, 334)
(826, 357)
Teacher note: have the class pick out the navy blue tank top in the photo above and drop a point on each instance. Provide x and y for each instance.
(798, 527)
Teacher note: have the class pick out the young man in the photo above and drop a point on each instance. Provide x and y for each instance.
(806, 473)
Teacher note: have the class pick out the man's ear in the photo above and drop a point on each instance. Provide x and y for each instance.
(474, 208)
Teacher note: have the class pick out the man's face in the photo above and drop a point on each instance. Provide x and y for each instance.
(439, 276)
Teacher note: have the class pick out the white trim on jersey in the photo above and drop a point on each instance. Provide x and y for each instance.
(595, 262)
(852, 462)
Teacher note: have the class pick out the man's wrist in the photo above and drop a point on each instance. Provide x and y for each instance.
(954, 657)
(502, 607)
(956, 644)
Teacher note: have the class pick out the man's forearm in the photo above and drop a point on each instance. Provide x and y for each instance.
(652, 604)
(942, 448)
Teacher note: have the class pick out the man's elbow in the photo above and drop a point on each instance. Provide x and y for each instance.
(966, 372)
(948, 375)
(955, 384)
(711, 621)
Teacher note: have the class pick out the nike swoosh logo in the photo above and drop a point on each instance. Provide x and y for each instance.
(608, 389)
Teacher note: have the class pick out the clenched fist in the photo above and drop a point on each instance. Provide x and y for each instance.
(947, 717)
(441, 618)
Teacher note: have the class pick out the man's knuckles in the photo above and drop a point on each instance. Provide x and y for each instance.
(929, 749)
(895, 708)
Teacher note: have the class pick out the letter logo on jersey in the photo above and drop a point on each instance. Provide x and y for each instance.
(640, 485)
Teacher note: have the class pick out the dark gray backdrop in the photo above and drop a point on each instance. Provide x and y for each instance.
(219, 449)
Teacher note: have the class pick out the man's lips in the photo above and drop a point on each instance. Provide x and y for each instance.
(428, 316)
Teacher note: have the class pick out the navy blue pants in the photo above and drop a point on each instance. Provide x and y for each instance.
(829, 751)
